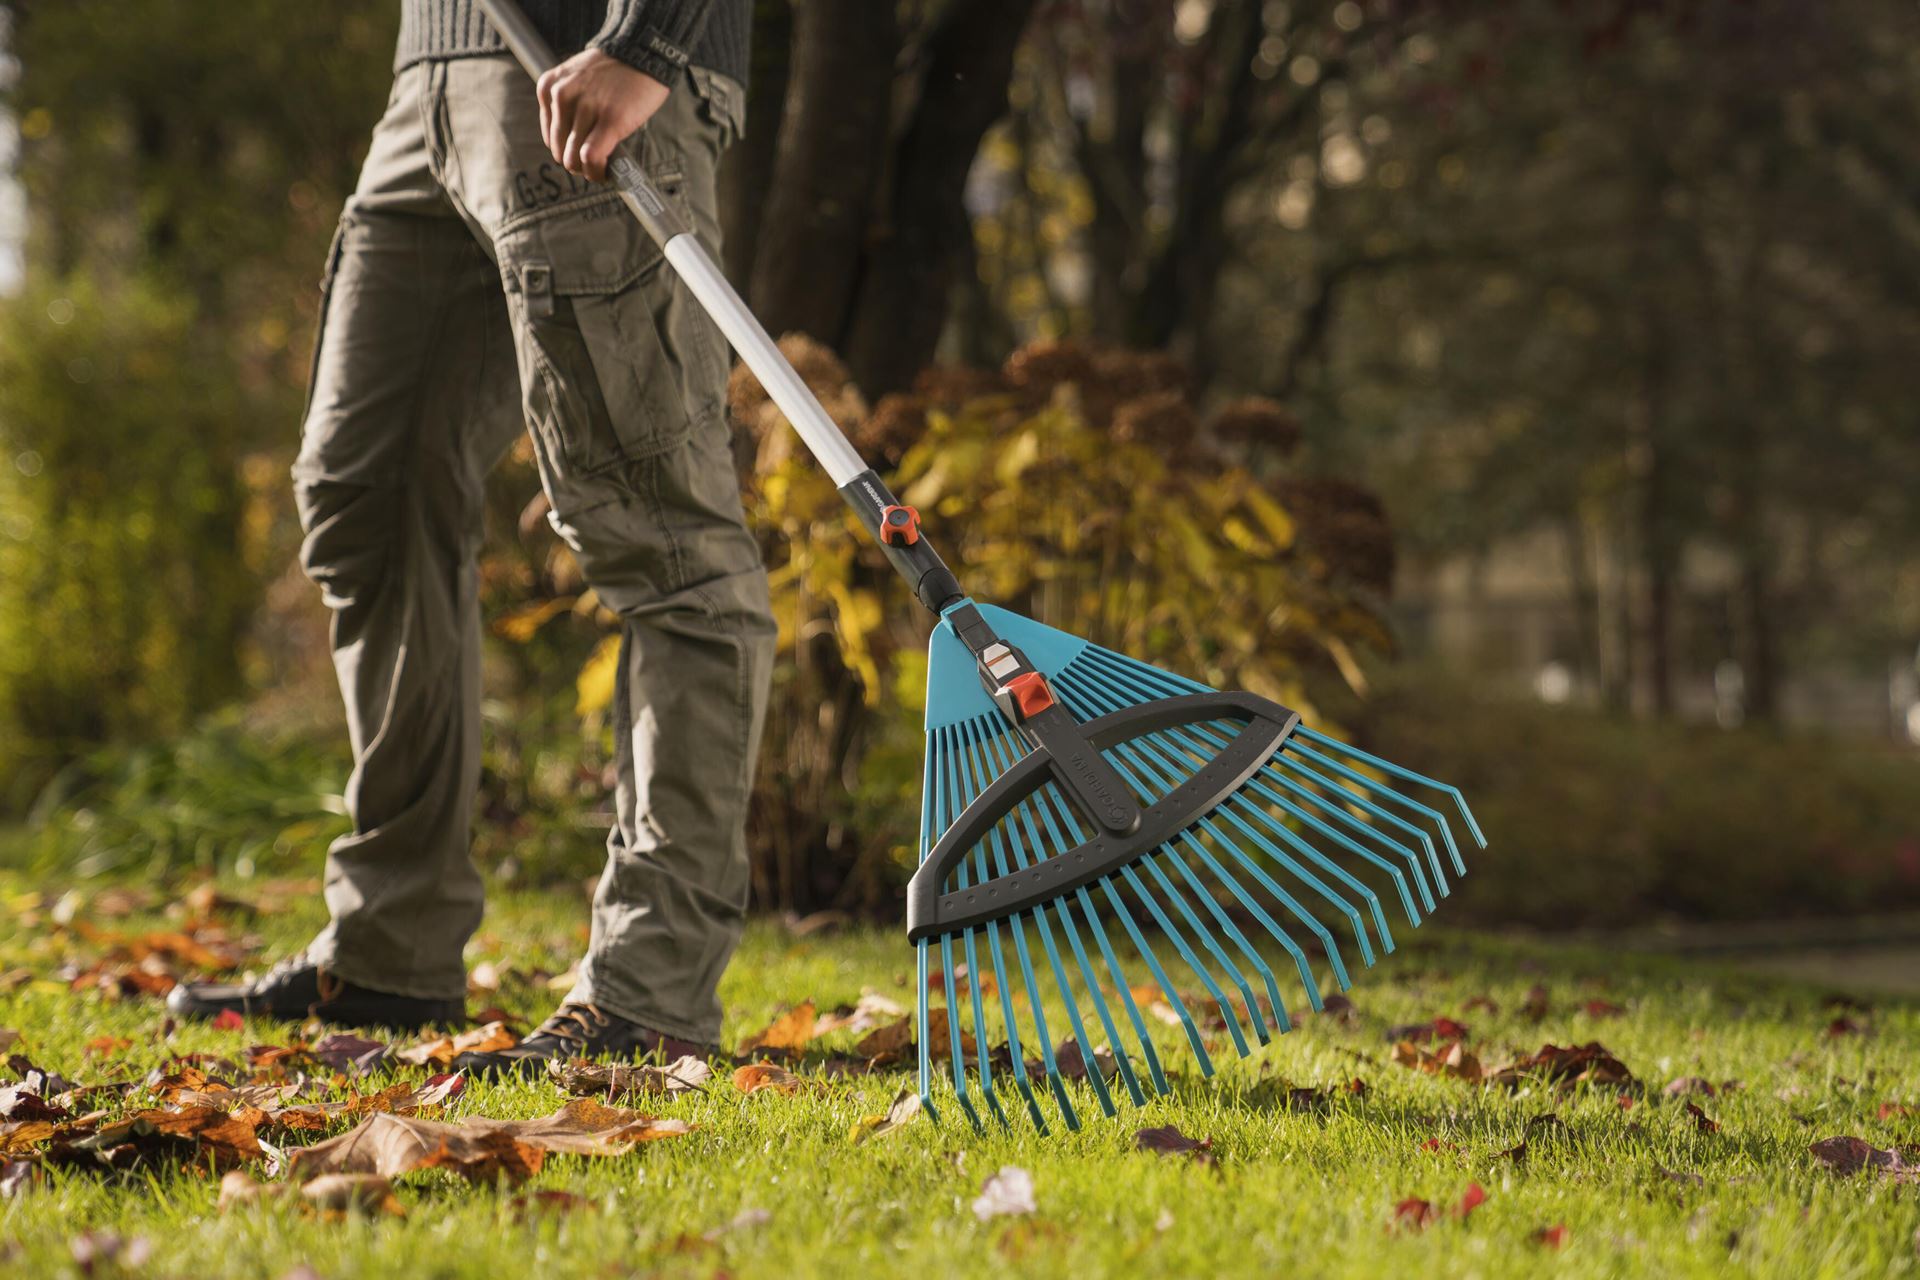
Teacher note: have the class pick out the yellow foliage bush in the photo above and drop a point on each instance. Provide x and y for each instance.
(1076, 485)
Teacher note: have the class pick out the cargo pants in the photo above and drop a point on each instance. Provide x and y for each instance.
(476, 289)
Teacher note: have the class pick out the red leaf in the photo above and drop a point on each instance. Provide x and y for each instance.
(1603, 1009)
(1474, 1197)
(1412, 1215)
(1553, 1237)
(1701, 1121)
(1843, 1026)
(228, 1020)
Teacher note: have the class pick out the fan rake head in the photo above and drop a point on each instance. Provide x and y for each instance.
(1239, 834)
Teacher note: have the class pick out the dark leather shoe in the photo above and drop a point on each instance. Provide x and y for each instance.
(297, 989)
(578, 1031)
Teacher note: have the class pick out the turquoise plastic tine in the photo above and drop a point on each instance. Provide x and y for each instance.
(1399, 879)
(1304, 752)
(1288, 762)
(1122, 1062)
(1064, 812)
(1292, 904)
(934, 785)
(1047, 943)
(920, 1034)
(1346, 908)
(1206, 898)
(1040, 804)
(1152, 863)
(977, 775)
(956, 797)
(1406, 775)
(1353, 917)
(1339, 814)
(963, 878)
(1002, 981)
(1147, 953)
(953, 1034)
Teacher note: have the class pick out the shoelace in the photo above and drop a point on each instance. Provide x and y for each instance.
(574, 1023)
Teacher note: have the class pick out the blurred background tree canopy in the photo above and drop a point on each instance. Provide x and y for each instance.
(1526, 386)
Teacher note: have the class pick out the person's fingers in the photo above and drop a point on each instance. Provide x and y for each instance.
(543, 90)
(580, 130)
(597, 150)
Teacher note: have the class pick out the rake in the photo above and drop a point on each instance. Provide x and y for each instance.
(1071, 791)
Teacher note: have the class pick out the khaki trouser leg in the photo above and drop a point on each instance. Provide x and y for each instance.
(413, 369)
(622, 383)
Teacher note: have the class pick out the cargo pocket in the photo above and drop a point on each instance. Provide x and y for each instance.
(615, 369)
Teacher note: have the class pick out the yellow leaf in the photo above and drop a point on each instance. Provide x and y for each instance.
(593, 688)
(1273, 518)
(1022, 453)
(519, 625)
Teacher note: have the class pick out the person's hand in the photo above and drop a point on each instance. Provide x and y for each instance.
(589, 104)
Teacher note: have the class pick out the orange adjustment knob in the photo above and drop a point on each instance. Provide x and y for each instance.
(900, 525)
(1031, 693)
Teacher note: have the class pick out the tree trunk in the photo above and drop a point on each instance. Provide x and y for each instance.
(746, 175)
(901, 305)
(832, 146)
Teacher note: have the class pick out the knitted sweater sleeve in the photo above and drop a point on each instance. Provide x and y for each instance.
(654, 36)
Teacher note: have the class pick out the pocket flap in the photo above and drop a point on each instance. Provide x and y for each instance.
(594, 246)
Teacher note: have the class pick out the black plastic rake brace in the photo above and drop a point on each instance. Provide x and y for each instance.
(931, 912)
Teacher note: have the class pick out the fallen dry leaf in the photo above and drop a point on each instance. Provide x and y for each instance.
(1168, 1140)
(1412, 1215)
(530, 1204)
(8, 1038)
(1424, 1032)
(790, 1031)
(900, 1113)
(1009, 1191)
(352, 1193)
(340, 1051)
(1471, 1199)
(1553, 1237)
(891, 1042)
(1844, 1026)
(872, 1011)
(756, 1076)
(1701, 1120)
(390, 1145)
(1590, 1063)
(1448, 1059)
(239, 1190)
(442, 1050)
(1850, 1155)
(620, 1080)
(1534, 1007)
(17, 1176)
(1602, 1009)
(1072, 1063)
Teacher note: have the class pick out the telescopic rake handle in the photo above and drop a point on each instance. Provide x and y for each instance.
(894, 525)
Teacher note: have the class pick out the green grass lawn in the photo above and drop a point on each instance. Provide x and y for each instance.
(774, 1185)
